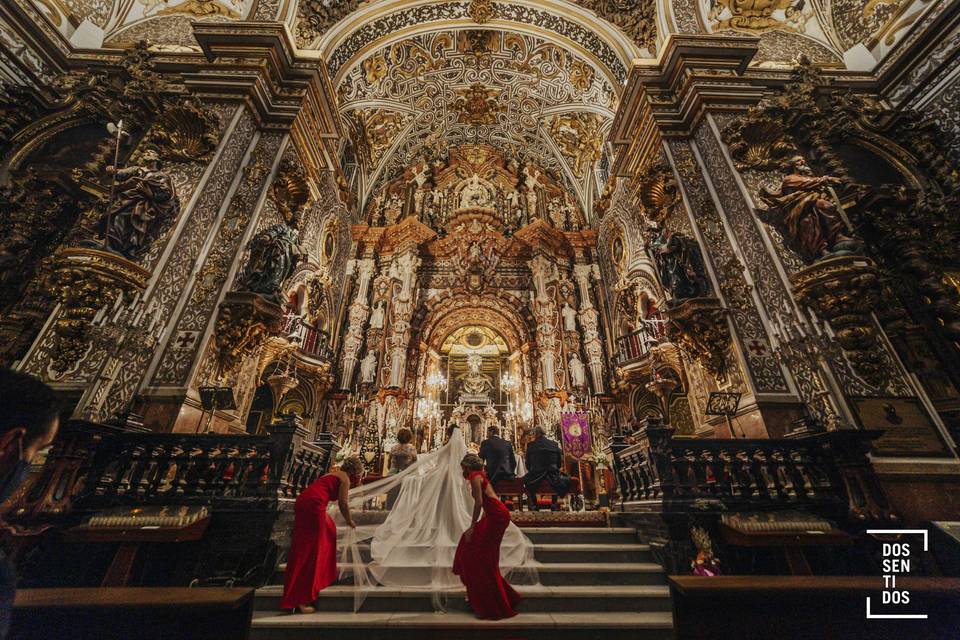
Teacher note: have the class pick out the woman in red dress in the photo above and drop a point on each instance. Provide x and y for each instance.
(477, 560)
(312, 559)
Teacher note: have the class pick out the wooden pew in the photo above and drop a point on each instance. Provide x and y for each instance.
(121, 613)
(804, 607)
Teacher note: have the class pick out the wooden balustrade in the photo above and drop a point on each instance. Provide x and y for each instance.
(827, 473)
(243, 480)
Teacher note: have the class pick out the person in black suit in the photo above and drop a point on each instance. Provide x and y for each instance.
(544, 460)
(497, 453)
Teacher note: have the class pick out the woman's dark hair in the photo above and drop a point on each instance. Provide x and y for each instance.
(26, 402)
(404, 436)
(472, 462)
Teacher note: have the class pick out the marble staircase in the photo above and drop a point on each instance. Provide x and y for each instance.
(592, 580)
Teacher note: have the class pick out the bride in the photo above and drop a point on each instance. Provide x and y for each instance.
(413, 546)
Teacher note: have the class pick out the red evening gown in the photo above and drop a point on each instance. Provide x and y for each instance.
(478, 562)
(312, 559)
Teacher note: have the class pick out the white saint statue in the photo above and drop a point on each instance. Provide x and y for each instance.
(578, 374)
(377, 317)
(368, 367)
(569, 317)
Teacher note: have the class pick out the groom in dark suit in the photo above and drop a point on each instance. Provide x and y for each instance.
(544, 462)
(498, 455)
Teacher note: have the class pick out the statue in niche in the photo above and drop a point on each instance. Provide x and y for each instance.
(557, 214)
(578, 374)
(377, 317)
(569, 317)
(513, 202)
(807, 214)
(531, 197)
(145, 201)
(680, 264)
(474, 194)
(438, 200)
(476, 386)
(274, 254)
(368, 368)
(376, 210)
(394, 209)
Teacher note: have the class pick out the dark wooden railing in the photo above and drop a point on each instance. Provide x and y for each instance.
(243, 480)
(667, 485)
(825, 472)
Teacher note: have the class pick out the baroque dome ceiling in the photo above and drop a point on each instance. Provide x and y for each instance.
(524, 95)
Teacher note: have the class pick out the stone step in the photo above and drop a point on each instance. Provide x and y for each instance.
(461, 625)
(592, 552)
(581, 535)
(583, 573)
(559, 553)
(537, 599)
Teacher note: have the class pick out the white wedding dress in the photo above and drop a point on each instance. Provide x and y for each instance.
(413, 544)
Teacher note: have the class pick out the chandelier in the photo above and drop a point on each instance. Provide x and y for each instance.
(436, 380)
(508, 382)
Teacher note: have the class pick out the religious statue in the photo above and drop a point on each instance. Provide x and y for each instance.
(557, 214)
(368, 368)
(474, 194)
(531, 196)
(513, 200)
(145, 201)
(274, 254)
(394, 209)
(438, 198)
(569, 317)
(476, 386)
(680, 264)
(578, 374)
(807, 214)
(377, 317)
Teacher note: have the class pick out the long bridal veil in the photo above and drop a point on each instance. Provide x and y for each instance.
(409, 524)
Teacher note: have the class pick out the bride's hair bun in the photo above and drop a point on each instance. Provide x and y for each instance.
(472, 462)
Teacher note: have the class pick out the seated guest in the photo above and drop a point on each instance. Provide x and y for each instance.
(497, 453)
(544, 459)
(403, 454)
(28, 423)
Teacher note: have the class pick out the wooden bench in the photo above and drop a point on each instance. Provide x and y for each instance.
(804, 607)
(514, 491)
(121, 613)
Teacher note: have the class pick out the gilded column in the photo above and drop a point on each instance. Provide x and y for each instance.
(544, 309)
(359, 312)
(403, 272)
(589, 321)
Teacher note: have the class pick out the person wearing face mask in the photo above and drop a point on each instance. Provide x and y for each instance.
(28, 422)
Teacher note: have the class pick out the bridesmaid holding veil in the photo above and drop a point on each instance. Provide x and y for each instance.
(477, 560)
(312, 559)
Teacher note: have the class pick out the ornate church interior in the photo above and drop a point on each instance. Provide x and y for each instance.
(709, 248)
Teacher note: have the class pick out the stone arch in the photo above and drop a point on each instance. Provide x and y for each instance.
(504, 313)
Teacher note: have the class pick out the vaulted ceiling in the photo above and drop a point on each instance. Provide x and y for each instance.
(525, 95)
